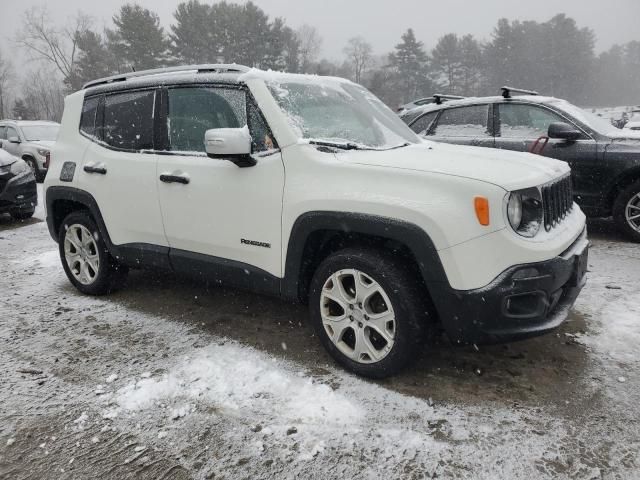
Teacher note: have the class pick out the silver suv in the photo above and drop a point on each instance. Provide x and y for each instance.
(30, 141)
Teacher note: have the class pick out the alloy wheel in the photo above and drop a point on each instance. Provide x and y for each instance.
(357, 316)
(632, 212)
(81, 254)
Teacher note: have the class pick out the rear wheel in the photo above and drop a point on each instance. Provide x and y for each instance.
(626, 211)
(85, 257)
(368, 311)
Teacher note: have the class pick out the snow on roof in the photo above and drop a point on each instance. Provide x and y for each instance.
(481, 100)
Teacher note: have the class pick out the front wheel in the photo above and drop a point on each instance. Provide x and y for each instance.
(626, 211)
(85, 257)
(368, 311)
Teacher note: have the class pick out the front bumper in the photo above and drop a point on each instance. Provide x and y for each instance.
(524, 301)
(19, 194)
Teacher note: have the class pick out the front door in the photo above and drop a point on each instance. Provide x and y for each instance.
(12, 147)
(216, 210)
(521, 124)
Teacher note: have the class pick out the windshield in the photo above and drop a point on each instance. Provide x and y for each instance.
(601, 125)
(33, 133)
(340, 112)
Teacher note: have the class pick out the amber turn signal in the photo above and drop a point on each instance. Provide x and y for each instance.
(481, 205)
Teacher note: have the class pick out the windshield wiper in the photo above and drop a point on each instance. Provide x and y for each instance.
(342, 146)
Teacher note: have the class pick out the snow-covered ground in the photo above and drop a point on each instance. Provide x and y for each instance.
(169, 379)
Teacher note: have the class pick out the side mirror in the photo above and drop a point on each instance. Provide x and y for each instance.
(564, 131)
(14, 140)
(233, 144)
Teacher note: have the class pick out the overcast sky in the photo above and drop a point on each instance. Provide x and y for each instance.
(381, 22)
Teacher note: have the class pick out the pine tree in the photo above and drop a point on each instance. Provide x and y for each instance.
(138, 40)
(447, 62)
(94, 59)
(410, 62)
(192, 34)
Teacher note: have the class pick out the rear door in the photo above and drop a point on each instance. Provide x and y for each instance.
(119, 166)
(468, 125)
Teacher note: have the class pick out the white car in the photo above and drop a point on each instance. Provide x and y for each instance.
(309, 188)
(31, 141)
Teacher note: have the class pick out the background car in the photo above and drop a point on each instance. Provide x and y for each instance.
(18, 194)
(605, 161)
(31, 141)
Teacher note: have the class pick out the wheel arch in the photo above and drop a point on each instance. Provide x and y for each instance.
(61, 201)
(315, 235)
(619, 184)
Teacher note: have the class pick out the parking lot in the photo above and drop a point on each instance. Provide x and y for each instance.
(171, 379)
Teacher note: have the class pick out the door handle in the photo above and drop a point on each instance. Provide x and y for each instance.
(98, 170)
(174, 179)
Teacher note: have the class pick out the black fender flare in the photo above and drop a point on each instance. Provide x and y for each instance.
(82, 197)
(413, 237)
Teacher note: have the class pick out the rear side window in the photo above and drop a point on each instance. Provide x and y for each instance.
(88, 118)
(128, 120)
(464, 122)
(3, 133)
(12, 133)
(193, 111)
(421, 126)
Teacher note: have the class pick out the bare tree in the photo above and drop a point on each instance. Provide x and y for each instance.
(43, 94)
(54, 45)
(310, 45)
(359, 53)
(6, 77)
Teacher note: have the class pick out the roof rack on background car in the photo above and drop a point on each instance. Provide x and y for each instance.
(507, 91)
(439, 97)
(204, 68)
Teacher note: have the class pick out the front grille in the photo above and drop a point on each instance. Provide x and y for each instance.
(557, 201)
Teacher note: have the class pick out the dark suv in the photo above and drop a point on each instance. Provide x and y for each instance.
(18, 194)
(605, 161)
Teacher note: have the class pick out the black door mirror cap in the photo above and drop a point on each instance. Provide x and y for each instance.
(564, 131)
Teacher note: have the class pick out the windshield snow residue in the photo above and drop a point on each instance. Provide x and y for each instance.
(341, 112)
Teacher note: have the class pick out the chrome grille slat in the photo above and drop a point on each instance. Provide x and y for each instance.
(557, 198)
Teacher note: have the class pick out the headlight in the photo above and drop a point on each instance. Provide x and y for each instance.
(524, 212)
(19, 168)
(43, 152)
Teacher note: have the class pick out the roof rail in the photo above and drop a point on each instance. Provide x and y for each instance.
(439, 97)
(212, 67)
(507, 91)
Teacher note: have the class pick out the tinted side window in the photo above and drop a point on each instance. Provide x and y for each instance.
(3, 133)
(464, 122)
(88, 118)
(128, 120)
(193, 111)
(525, 121)
(421, 126)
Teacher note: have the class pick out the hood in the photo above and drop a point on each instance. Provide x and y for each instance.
(6, 158)
(48, 144)
(507, 169)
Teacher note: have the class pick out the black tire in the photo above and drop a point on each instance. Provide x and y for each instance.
(620, 208)
(23, 214)
(110, 275)
(413, 319)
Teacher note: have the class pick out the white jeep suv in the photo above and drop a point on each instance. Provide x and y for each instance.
(309, 188)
